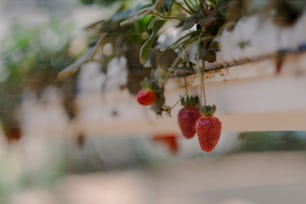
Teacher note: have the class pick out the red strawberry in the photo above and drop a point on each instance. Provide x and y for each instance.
(170, 140)
(146, 97)
(149, 93)
(208, 128)
(188, 116)
(12, 134)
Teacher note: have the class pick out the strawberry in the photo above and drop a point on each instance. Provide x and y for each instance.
(146, 97)
(169, 140)
(208, 128)
(12, 134)
(149, 93)
(188, 116)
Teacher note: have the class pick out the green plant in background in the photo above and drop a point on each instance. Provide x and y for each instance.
(272, 141)
(100, 2)
(30, 59)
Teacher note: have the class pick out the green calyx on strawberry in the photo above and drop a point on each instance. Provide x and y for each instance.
(208, 128)
(208, 110)
(190, 101)
(148, 94)
(188, 115)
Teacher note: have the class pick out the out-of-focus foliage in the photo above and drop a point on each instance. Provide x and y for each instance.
(100, 2)
(30, 59)
(272, 141)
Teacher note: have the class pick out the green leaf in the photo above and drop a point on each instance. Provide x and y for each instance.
(147, 46)
(136, 14)
(87, 56)
(190, 22)
(167, 5)
(128, 13)
(211, 2)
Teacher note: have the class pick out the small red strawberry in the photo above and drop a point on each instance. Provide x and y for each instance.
(188, 116)
(149, 93)
(13, 134)
(169, 140)
(208, 128)
(146, 97)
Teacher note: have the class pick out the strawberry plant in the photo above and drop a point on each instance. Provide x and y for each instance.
(137, 34)
(30, 64)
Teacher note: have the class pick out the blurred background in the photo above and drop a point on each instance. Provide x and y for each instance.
(45, 158)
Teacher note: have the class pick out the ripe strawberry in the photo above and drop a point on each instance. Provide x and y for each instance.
(146, 97)
(12, 134)
(149, 93)
(188, 116)
(208, 128)
(169, 140)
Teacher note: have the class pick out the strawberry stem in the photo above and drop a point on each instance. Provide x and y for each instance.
(185, 85)
(150, 84)
(202, 70)
(173, 106)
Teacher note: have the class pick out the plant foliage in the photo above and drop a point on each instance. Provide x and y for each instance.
(135, 33)
(30, 61)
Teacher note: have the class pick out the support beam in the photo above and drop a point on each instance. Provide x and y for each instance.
(250, 97)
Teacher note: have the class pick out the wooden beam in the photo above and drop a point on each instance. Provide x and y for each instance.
(250, 97)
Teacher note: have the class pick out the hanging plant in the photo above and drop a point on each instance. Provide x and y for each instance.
(30, 63)
(135, 34)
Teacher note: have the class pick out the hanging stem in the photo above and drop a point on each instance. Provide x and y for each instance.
(176, 103)
(203, 7)
(185, 85)
(152, 73)
(202, 70)
(185, 78)
(168, 17)
(182, 7)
